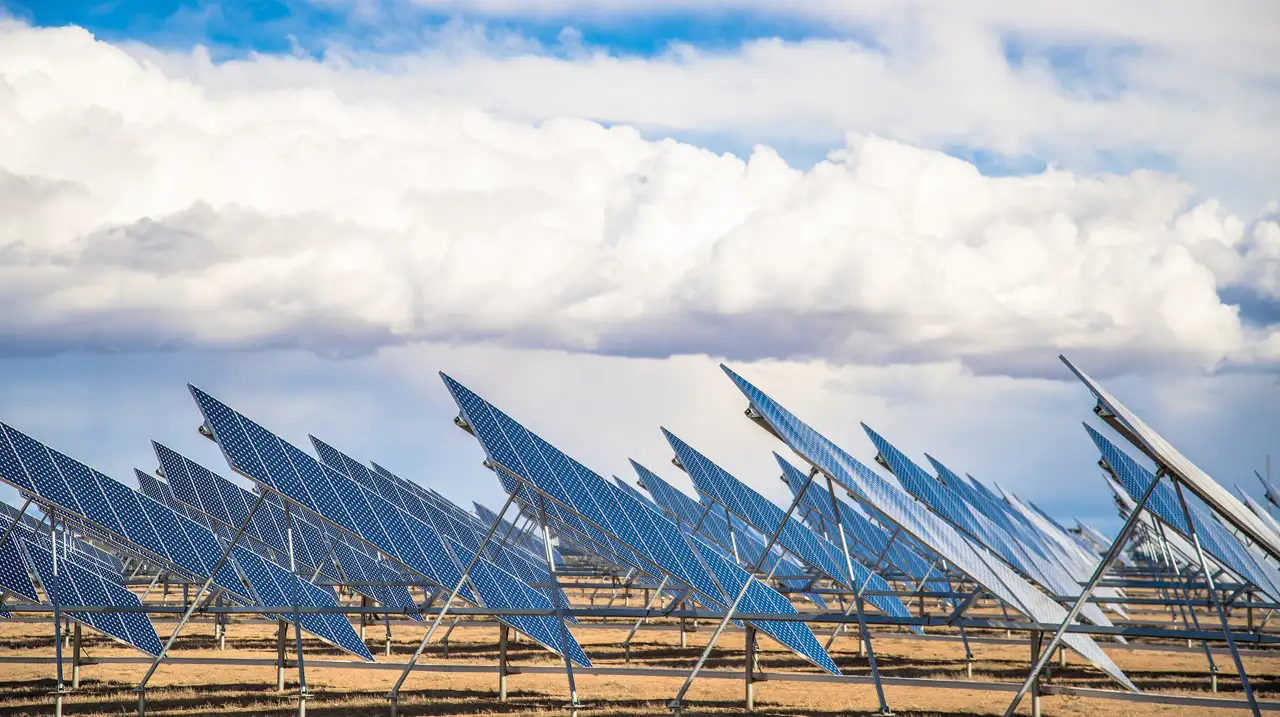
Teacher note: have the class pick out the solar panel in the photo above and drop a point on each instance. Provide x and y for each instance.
(899, 507)
(269, 460)
(89, 556)
(1261, 512)
(1199, 482)
(816, 551)
(277, 587)
(656, 545)
(75, 586)
(977, 527)
(1163, 503)
(14, 578)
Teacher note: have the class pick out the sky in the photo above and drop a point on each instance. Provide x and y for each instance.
(891, 213)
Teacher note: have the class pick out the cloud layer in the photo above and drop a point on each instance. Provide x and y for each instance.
(153, 205)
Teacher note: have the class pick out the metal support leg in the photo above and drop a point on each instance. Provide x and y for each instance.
(226, 553)
(626, 644)
(751, 667)
(1116, 546)
(677, 703)
(281, 632)
(1217, 604)
(394, 696)
(75, 658)
(502, 662)
(444, 641)
(552, 587)
(857, 598)
(386, 617)
(297, 627)
(1037, 640)
(364, 617)
(60, 691)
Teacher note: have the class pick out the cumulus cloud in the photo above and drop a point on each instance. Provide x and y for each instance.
(146, 207)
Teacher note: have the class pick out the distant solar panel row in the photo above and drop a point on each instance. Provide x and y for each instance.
(903, 510)
(978, 529)
(715, 529)
(718, 485)
(1214, 538)
(575, 489)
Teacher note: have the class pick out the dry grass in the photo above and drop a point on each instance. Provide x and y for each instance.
(250, 690)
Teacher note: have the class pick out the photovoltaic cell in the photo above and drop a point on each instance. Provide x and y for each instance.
(899, 507)
(659, 545)
(14, 578)
(74, 586)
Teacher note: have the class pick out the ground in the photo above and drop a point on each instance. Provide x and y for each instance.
(193, 689)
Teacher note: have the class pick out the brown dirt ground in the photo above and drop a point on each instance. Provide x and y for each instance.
(250, 690)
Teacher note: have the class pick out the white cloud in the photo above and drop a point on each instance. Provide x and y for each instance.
(149, 208)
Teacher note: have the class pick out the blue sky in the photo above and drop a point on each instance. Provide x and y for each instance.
(891, 214)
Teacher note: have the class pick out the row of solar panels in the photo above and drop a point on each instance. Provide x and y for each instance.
(364, 526)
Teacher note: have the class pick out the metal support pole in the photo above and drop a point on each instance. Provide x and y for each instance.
(1217, 604)
(553, 586)
(444, 641)
(75, 658)
(626, 644)
(1116, 546)
(281, 632)
(57, 619)
(386, 617)
(857, 598)
(297, 628)
(1190, 609)
(676, 703)
(141, 689)
(364, 617)
(502, 662)
(751, 667)
(1037, 640)
(394, 696)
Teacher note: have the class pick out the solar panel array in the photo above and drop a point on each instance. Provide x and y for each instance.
(136, 522)
(976, 527)
(575, 494)
(747, 543)
(902, 509)
(88, 556)
(435, 510)
(269, 460)
(316, 549)
(816, 551)
(1163, 502)
(76, 586)
(1214, 495)
(873, 539)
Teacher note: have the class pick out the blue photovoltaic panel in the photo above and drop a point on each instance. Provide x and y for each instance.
(899, 507)
(978, 528)
(125, 515)
(874, 538)
(14, 578)
(89, 556)
(718, 485)
(1215, 539)
(176, 541)
(277, 587)
(654, 543)
(269, 460)
(74, 586)
(689, 514)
